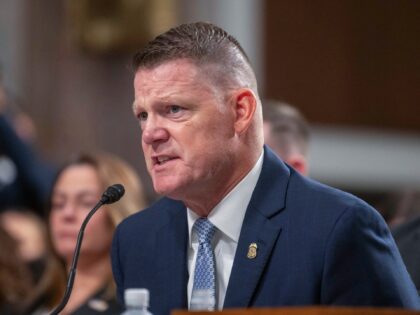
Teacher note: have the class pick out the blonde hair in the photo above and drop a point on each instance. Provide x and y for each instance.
(112, 170)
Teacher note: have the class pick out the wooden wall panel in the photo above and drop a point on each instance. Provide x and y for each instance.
(346, 62)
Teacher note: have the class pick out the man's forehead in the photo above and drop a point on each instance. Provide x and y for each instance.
(171, 78)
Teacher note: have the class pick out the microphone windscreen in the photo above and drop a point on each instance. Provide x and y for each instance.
(113, 193)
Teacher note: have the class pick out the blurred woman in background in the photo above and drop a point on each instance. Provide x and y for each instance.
(78, 187)
(15, 279)
(30, 233)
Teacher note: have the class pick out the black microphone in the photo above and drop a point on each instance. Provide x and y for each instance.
(112, 194)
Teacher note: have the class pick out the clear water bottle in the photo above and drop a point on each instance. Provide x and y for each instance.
(202, 300)
(136, 302)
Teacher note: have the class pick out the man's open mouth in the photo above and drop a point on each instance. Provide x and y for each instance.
(162, 159)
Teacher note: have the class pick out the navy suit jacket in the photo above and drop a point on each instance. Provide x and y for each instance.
(316, 246)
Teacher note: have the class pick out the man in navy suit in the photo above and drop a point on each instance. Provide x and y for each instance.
(280, 239)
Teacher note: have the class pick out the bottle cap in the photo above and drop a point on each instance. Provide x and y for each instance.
(136, 297)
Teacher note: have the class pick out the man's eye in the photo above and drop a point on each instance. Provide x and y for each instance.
(173, 109)
(142, 116)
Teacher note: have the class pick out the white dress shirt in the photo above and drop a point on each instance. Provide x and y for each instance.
(227, 216)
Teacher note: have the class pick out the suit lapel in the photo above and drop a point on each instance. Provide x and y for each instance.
(268, 199)
(171, 264)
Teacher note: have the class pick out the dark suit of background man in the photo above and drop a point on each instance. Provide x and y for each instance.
(281, 239)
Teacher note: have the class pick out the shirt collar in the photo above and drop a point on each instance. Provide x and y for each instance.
(229, 213)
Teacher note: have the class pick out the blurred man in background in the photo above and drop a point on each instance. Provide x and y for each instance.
(406, 231)
(287, 132)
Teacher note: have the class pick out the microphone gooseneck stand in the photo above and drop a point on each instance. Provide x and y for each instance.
(111, 195)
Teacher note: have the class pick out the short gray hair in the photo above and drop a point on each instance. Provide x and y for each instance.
(204, 44)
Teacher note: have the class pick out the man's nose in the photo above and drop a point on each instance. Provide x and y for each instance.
(154, 132)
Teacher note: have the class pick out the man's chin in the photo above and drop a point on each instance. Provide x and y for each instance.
(165, 189)
(171, 191)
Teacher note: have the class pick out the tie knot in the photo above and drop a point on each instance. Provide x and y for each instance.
(204, 229)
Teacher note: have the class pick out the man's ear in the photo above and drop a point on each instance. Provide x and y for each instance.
(244, 106)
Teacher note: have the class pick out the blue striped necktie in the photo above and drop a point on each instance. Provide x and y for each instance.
(205, 269)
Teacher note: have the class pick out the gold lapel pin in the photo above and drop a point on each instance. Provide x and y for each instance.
(252, 251)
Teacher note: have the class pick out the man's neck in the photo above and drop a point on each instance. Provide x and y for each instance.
(202, 204)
